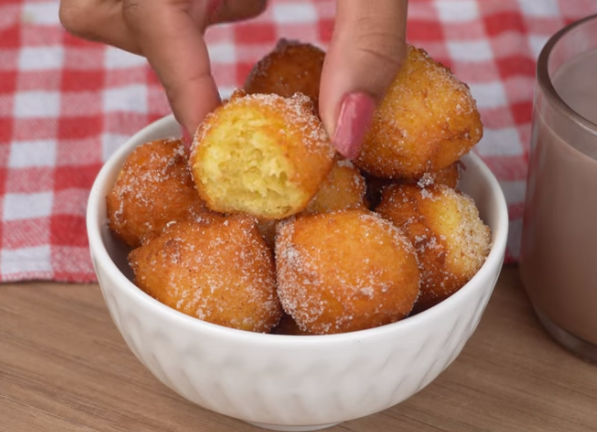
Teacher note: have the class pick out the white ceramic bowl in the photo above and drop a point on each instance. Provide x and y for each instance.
(291, 383)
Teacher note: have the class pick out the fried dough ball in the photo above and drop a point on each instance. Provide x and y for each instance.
(345, 271)
(427, 121)
(262, 155)
(215, 268)
(292, 67)
(154, 187)
(444, 226)
(344, 188)
(288, 326)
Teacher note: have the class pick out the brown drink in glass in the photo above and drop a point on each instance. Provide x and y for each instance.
(558, 261)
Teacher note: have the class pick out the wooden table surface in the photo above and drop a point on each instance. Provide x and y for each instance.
(64, 367)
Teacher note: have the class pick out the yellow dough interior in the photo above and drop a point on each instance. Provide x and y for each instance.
(245, 167)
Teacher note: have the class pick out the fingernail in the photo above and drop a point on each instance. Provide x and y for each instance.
(186, 139)
(356, 113)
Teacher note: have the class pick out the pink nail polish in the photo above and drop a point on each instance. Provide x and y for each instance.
(186, 139)
(356, 113)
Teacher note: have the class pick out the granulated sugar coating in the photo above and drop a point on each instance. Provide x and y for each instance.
(444, 226)
(292, 67)
(345, 271)
(262, 155)
(215, 268)
(154, 187)
(448, 176)
(427, 120)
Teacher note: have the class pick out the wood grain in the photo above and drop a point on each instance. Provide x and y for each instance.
(64, 367)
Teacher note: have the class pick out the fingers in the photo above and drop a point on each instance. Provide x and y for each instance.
(171, 39)
(99, 21)
(169, 34)
(103, 20)
(365, 54)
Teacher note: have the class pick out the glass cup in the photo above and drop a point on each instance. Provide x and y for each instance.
(558, 263)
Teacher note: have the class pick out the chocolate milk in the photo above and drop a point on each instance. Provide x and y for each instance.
(559, 251)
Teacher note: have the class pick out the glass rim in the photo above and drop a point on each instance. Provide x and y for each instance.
(546, 84)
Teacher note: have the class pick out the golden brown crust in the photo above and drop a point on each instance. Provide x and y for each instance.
(449, 176)
(215, 268)
(255, 139)
(153, 188)
(427, 121)
(292, 67)
(444, 226)
(345, 271)
(344, 188)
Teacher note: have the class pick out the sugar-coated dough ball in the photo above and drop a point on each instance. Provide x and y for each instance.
(292, 67)
(154, 187)
(444, 226)
(427, 121)
(262, 155)
(345, 271)
(215, 268)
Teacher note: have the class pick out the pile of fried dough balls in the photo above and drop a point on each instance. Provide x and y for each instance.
(261, 226)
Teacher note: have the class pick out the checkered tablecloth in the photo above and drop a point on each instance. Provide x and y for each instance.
(67, 104)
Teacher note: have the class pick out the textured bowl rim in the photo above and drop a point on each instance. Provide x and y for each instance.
(100, 253)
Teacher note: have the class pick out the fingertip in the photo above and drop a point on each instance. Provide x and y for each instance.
(193, 99)
(186, 137)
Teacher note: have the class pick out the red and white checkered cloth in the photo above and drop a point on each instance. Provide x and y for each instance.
(67, 104)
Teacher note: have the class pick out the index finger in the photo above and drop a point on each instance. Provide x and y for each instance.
(169, 35)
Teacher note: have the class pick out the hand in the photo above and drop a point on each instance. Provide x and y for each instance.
(364, 56)
(170, 34)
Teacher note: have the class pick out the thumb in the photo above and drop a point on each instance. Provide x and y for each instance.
(365, 54)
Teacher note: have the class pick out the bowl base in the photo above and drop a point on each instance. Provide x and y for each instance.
(292, 428)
